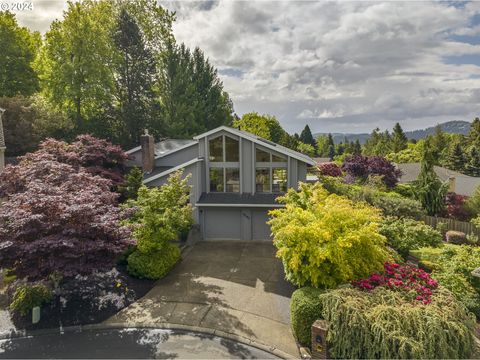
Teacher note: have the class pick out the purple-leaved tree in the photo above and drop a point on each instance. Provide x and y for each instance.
(360, 167)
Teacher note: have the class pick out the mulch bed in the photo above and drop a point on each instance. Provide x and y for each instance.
(88, 300)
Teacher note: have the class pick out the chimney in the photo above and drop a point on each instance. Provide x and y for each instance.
(148, 152)
(2, 142)
(451, 184)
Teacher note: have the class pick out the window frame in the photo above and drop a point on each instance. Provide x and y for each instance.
(270, 165)
(224, 164)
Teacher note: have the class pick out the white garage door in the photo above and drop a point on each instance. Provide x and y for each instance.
(260, 228)
(222, 224)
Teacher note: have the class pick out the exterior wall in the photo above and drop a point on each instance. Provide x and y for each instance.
(246, 168)
(302, 172)
(292, 173)
(178, 157)
(136, 159)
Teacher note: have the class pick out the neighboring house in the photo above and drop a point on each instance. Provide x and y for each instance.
(235, 177)
(459, 183)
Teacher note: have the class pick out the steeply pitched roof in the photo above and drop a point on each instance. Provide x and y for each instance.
(258, 140)
(220, 198)
(165, 147)
(2, 136)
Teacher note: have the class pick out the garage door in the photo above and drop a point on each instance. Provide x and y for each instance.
(260, 228)
(222, 224)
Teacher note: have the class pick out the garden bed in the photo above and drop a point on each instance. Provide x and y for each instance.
(88, 300)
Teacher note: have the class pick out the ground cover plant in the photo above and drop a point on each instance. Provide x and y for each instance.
(324, 239)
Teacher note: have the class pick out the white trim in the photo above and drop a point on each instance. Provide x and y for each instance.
(134, 150)
(169, 171)
(241, 205)
(257, 140)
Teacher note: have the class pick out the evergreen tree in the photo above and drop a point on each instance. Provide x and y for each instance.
(307, 137)
(399, 139)
(357, 148)
(340, 148)
(322, 146)
(429, 190)
(455, 159)
(331, 152)
(136, 71)
(438, 143)
(472, 167)
(330, 142)
(474, 134)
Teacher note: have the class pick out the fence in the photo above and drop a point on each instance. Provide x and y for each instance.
(463, 226)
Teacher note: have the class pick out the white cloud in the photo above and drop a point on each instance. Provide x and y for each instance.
(339, 66)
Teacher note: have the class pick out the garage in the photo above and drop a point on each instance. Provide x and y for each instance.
(222, 223)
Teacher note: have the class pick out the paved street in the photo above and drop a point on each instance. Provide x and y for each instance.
(233, 287)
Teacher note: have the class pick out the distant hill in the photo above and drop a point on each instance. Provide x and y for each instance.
(452, 127)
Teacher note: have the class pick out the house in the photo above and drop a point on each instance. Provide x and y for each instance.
(235, 177)
(458, 182)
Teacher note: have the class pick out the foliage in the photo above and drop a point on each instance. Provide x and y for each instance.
(455, 158)
(415, 283)
(305, 309)
(456, 237)
(160, 215)
(58, 219)
(136, 69)
(405, 234)
(325, 240)
(306, 149)
(408, 155)
(472, 166)
(306, 137)
(191, 92)
(430, 191)
(264, 126)
(378, 144)
(360, 167)
(399, 139)
(19, 45)
(473, 202)
(133, 182)
(456, 207)
(391, 204)
(153, 265)
(28, 296)
(329, 169)
(452, 266)
(385, 324)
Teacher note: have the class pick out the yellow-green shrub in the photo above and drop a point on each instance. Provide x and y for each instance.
(325, 240)
(27, 296)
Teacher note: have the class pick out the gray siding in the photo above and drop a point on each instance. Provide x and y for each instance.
(136, 159)
(247, 175)
(260, 228)
(302, 172)
(293, 173)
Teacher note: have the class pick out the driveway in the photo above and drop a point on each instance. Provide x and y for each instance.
(230, 287)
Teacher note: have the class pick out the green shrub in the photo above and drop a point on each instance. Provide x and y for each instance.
(153, 265)
(325, 240)
(27, 296)
(383, 324)
(406, 234)
(452, 266)
(456, 237)
(133, 182)
(305, 308)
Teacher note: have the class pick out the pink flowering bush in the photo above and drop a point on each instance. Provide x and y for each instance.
(329, 169)
(408, 279)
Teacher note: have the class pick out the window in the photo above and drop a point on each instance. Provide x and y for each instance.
(224, 171)
(232, 176)
(279, 182)
(216, 149)
(231, 150)
(278, 158)
(262, 156)
(216, 179)
(262, 180)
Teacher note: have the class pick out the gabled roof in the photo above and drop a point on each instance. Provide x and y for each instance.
(156, 175)
(258, 140)
(165, 147)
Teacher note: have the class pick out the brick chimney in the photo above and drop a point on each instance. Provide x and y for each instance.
(2, 142)
(451, 184)
(148, 152)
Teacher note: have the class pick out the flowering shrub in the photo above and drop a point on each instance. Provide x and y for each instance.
(401, 278)
(329, 169)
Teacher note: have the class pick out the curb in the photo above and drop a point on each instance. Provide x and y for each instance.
(167, 326)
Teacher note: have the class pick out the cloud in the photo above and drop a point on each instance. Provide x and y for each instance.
(338, 66)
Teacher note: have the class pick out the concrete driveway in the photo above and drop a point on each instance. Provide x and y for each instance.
(229, 287)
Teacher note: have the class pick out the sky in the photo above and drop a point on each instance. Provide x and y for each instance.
(336, 66)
